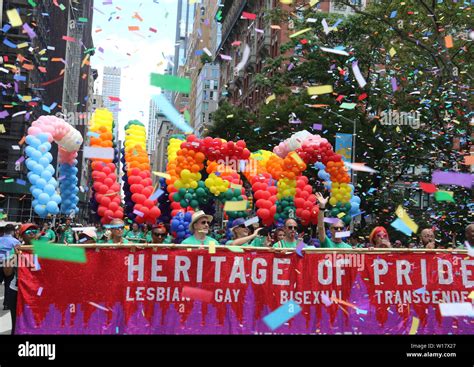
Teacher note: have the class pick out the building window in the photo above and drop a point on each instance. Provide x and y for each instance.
(206, 106)
(211, 95)
(203, 117)
(215, 73)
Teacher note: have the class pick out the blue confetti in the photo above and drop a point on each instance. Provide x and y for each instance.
(282, 314)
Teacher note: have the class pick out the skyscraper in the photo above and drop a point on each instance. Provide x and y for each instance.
(111, 90)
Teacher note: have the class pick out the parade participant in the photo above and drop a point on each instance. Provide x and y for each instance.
(100, 231)
(28, 233)
(159, 235)
(397, 244)
(240, 235)
(290, 239)
(147, 228)
(88, 235)
(116, 232)
(7, 244)
(199, 227)
(135, 235)
(427, 239)
(379, 238)
(278, 234)
(67, 234)
(47, 234)
(334, 242)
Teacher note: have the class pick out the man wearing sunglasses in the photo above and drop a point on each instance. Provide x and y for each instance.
(199, 227)
(159, 235)
(116, 228)
(334, 241)
(290, 239)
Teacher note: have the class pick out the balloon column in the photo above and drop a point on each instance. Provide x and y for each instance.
(138, 176)
(104, 174)
(41, 134)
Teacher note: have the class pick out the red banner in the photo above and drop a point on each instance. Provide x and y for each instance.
(139, 291)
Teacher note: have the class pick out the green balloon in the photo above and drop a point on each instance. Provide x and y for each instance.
(347, 220)
(176, 196)
(183, 203)
(334, 212)
(194, 204)
(182, 191)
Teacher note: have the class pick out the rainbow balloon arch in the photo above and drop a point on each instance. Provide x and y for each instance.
(279, 188)
(199, 173)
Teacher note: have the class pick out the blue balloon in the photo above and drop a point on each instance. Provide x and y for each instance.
(52, 181)
(356, 199)
(50, 168)
(34, 203)
(43, 137)
(181, 234)
(29, 151)
(354, 207)
(33, 141)
(40, 210)
(56, 198)
(43, 198)
(46, 175)
(352, 187)
(321, 174)
(34, 178)
(44, 162)
(49, 189)
(49, 157)
(52, 207)
(41, 183)
(319, 165)
(30, 164)
(36, 155)
(36, 192)
(37, 169)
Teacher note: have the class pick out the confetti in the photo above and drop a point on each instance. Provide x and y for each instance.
(282, 314)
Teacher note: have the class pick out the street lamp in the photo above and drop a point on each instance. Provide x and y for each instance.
(354, 134)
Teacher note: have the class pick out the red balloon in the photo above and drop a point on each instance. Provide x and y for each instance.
(140, 220)
(147, 191)
(106, 170)
(101, 211)
(135, 172)
(144, 174)
(109, 182)
(115, 187)
(155, 212)
(103, 189)
(263, 213)
(305, 215)
(118, 214)
(149, 203)
(105, 201)
(109, 213)
(113, 206)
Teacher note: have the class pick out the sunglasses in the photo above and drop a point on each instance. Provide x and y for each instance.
(31, 231)
(338, 228)
(205, 222)
(159, 234)
(291, 227)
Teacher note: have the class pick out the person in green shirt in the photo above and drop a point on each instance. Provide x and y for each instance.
(241, 237)
(290, 239)
(199, 227)
(135, 235)
(100, 231)
(116, 228)
(334, 242)
(159, 235)
(67, 234)
(47, 234)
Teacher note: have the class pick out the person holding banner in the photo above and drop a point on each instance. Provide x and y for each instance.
(199, 227)
(47, 234)
(338, 226)
(241, 237)
(135, 235)
(67, 234)
(87, 236)
(116, 227)
(379, 238)
(290, 240)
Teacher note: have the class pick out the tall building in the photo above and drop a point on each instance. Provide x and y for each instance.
(204, 73)
(38, 70)
(264, 42)
(111, 88)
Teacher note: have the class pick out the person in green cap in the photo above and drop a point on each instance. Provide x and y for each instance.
(135, 235)
(290, 240)
(199, 227)
(337, 226)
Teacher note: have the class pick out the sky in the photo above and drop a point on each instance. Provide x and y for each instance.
(145, 49)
